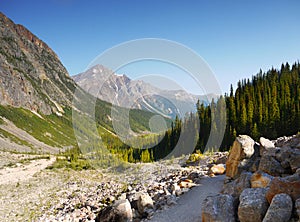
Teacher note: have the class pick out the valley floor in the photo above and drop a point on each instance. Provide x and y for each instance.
(29, 191)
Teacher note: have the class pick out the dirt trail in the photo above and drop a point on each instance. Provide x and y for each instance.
(23, 172)
(188, 208)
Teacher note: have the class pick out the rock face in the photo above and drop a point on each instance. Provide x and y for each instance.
(31, 75)
(280, 209)
(253, 205)
(243, 149)
(280, 185)
(119, 212)
(219, 208)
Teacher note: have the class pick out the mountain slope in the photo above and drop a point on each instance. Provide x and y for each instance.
(121, 90)
(36, 97)
(31, 75)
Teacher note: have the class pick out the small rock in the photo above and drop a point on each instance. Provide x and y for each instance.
(186, 183)
(144, 202)
(218, 169)
(265, 144)
(171, 200)
(280, 209)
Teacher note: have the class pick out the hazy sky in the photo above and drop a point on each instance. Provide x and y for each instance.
(236, 38)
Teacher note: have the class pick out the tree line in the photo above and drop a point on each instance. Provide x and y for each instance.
(266, 105)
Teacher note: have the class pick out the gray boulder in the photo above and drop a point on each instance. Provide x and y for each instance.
(280, 209)
(270, 165)
(236, 187)
(144, 202)
(253, 205)
(120, 211)
(219, 208)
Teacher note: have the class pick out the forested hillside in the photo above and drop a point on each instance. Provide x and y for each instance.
(267, 105)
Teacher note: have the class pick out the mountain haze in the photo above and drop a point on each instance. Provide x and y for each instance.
(122, 91)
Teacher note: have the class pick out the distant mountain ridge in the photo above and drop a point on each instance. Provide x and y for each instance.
(122, 91)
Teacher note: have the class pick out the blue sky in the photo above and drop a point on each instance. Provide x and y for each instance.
(236, 38)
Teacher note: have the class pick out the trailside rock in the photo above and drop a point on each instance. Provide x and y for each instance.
(236, 187)
(218, 169)
(270, 165)
(297, 206)
(265, 144)
(260, 180)
(120, 211)
(243, 148)
(253, 205)
(280, 185)
(280, 209)
(219, 208)
(144, 202)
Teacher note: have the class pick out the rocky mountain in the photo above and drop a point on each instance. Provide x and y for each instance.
(122, 91)
(36, 96)
(31, 74)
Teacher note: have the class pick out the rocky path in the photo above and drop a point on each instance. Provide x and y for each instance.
(188, 207)
(23, 172)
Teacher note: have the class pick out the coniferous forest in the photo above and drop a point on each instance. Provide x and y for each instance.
(266, 105)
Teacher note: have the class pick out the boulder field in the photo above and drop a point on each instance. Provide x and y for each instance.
(262, 182)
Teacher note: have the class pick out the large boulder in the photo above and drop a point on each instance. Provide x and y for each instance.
(270, 165)
(281, 185)
(242, 150)
(260, 180)
(253, 205)
(236, 187)
(120, 211)
(219, 208)
(280, 209)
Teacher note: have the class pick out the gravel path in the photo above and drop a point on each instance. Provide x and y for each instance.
(188, 208)
(23, 172)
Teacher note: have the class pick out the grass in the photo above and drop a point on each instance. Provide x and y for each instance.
(52, 130)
